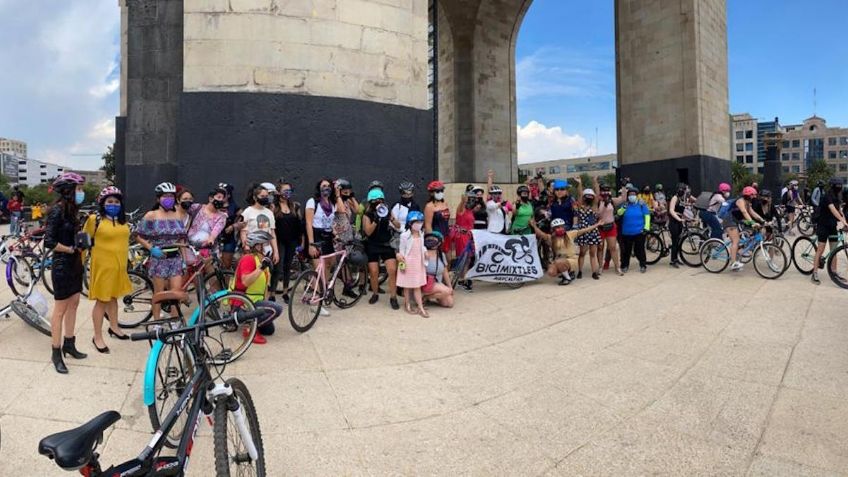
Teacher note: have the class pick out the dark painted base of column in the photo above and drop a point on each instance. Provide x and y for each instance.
(254, 137)
(702, 173)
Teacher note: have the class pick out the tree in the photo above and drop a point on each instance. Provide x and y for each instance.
(109, 164)
(608, 180)
(819, 171)
(741, 177)
(789, 176)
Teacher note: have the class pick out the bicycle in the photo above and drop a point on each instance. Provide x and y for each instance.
(715, 255)
(460, 265)
(21, 305)
(228, 406)
(655, 244)
(803, 220)
(311, 290)
(804, 253)
(691, 239)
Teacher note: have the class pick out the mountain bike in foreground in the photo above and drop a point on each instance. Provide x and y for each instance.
(836, 259)
(226, 404)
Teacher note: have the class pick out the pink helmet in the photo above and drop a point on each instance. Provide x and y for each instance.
(68, 179)
(111, 190)
(749, 192)
(724, 187)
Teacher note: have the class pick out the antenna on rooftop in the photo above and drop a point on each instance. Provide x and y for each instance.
(815, 101)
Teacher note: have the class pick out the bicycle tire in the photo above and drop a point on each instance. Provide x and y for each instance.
(690, 248)
(715, 256)
(139, 298)
(804, 224)
(31, 317)
(47, 271)
(784, 245)
(181, 371)
(655, 248)
(213, 284)
(302, 311)
(353, 280)
(770, 270)
(222, 425)
(16, 271)
(457, 269)
(383, 275)
(803, 255)
(234, 340)
(840, 253)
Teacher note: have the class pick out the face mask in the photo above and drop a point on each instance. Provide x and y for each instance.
(632, 199)
(264, 201)
(186, 204)
(417, 226)
(559, 232)
(605, 196)
(287, 193)
(112, 210)
(726, 195)
(218, 204)
(470, 204)
(325, 192)
(346, 195)
(588, 201)
(431, 244)
(680, 193)
(439, 196)
(405, 200)
(79, 197)
(168, 203)
(525, 198)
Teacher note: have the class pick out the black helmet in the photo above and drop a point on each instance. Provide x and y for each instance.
(344, 184)
(375, 185)
(836, 182)
(357, 257)
(820, 183)
(765, 194)
(406, 186)
(523, 189)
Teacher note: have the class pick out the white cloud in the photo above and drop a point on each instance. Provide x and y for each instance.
(105, 89)
(537, 142)
(559, 72)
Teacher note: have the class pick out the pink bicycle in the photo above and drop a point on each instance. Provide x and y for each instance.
(312, 290)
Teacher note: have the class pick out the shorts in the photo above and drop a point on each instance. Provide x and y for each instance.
(324, 239)
(228, 247)
(825, 232)
(611, 233)
(379, 252)
(572, 262)
(729, 222)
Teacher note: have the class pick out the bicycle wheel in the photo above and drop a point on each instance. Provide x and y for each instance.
(138, 302)
(458, 269)
(837, 266)
(174, 368)
(690, 248)
(786, 247)
(769, 261)
(233, 340)
(654, 248)
(233, 415)
(305, 301)
(213, 283)
(383, 275)
(349, 286)
(805, 225)
(47, 271)
(715, 256)
(31, 317)
(803, 254)
(19, 276)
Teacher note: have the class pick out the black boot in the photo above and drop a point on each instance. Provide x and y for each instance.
(70, 348)
(57, 361)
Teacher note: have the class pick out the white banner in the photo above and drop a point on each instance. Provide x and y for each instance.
(505, 258)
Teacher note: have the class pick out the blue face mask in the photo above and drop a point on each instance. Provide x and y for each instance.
(112, 210)
(632, 199)
(79, 197)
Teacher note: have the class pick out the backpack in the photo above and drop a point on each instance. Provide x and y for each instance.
(727, 207)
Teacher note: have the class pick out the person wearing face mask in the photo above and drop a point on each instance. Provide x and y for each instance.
(677, 221)
(257, 216)
(345, 191)
(185, 199)
(463, 225)
(411, 257)
(67, 270)
(498, 210)
(562, 205)
(437, 289)
(830, 217)
(608, 230)
(635, 223)
(437, 212)
(377, 225)
(523, 213)
(791, 199)
(158, 231)
(565, 253)
(230, 233)
(647, 197)
(289, 222)
(401, 209)
(710, 214)
(110, 237)
(481, 217)
(320, 214)
(586, 217)
(206, 224)
(252, 278)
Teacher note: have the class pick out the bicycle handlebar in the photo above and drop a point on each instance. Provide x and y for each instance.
(238, 318)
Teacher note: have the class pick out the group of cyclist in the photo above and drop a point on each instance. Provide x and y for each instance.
(405, 245)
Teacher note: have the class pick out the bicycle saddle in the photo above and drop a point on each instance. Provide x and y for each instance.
(166, 296)
(74, 448)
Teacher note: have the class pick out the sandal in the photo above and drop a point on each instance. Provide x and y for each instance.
(423, 312)
(409, 309)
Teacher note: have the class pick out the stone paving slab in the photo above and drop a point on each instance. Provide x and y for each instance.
(675, 372)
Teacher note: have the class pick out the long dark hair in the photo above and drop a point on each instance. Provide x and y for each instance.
(101, 209)
(252, 190)
(292, 205)
(317, 195)
(66, 200)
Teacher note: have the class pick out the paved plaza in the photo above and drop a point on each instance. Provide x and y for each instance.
(675, 372)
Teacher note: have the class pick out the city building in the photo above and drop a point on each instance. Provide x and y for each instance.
(595, 166)
(97, 177)
(811, 141)
(744, 148)
(32, 172)
(763, 128)
(13, 147)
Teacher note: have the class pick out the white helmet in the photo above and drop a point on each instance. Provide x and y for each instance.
(269, 187)
(589, 192)
(259, 237)
(557, 223)
(495, 190)
(165, 188)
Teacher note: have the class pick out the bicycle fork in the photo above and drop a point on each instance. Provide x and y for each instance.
(225, 391)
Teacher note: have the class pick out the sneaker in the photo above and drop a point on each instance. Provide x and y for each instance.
(643, 269)
(596, 276)
(736, 266)
(815, 278)
(564, 281)
(624, 270)
(381, 291)
(393, 301)
(468, 286)
(348, 292)
(674, 264)
(580, 274)
(373, 299)
(324, 311)
(259, 339)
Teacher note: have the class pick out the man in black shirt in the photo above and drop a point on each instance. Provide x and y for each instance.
(830, 215)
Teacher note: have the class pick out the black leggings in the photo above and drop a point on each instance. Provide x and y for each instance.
(283, 269)
(632, 245)
(676, 229)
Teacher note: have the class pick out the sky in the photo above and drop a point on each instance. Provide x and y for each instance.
(60, 62)
(779, 51)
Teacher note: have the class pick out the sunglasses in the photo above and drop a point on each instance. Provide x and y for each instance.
(560, 189)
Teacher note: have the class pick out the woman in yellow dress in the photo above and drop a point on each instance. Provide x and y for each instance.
(109, 279)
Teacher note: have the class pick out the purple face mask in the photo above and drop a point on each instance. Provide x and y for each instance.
(167, 202)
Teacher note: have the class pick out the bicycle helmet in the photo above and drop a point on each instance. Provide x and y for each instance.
(469, 187)
(434, 239)
(414, 216)
(646, 189)
(258, 237)
(495, 190)
(375, 185)
(749, 192)
(68, 179)
(406, 187)
(557, 223)
(560, 184)
(109, 191)
(724, 187)
(523, 189)
(269, 187)
(345, 184)
(588, 192)
(165, 188)
(375, 194)
(357, 257)
(435, 185)
(765, 194)
(835, 181)
(477, 190)
(658, 187)
(604, 188)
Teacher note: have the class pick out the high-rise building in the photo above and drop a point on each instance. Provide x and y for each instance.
(813, 140)
(743, 143)
(763, 128)
(13, 147)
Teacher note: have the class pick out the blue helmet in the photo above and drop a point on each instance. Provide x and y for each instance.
(414, 216)
(560, 184)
